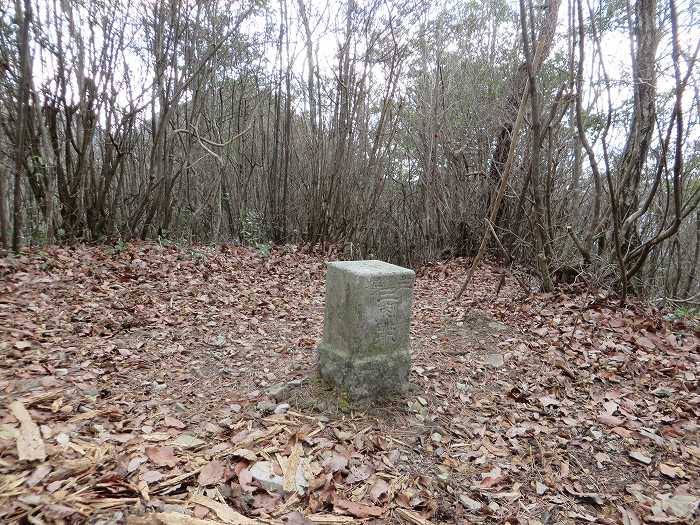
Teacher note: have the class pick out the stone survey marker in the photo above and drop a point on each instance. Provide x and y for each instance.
(365, 347)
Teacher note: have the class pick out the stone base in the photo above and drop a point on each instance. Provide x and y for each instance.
(370, 377)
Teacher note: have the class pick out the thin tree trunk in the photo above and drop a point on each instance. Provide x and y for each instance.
(23, 20)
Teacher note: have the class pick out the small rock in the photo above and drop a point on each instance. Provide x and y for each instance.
(640, 456)
(540, 488)
(663, 391)
(235, 408)
(470, 504)
(187, 441)
(494, 360)
(262, 472)
(682, 506)
(436, 437)
(265, 406)
(443, 476)
(495, 325)
(282, 408)
(218, 340)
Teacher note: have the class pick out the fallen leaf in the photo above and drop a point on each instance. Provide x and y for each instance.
(296, 518)
(591, 496)
(671, 471)
(211, 474)
(359, 473)
(335, 462)
(682, 506)
(492, 478)
(378, 491)
(629, 517)
(162, 456)
(610, 420)
(152, 476)
(38, 475)
(173, 422)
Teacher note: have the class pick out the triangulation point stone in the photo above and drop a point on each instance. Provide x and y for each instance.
(365, 348)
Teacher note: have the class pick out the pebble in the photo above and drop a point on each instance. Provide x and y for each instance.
(282, 408)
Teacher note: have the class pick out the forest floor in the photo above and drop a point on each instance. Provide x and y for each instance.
(144, 384)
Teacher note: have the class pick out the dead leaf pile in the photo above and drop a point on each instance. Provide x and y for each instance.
(165, 385)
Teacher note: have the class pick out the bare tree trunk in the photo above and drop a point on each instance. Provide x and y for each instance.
(542, 241)
(644, 117)
(695, 259)
(4, 219)
(23, 20)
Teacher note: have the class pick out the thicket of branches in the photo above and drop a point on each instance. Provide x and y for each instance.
(562, 136)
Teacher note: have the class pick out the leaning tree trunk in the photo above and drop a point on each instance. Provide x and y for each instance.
(547, 28)
(644, 116)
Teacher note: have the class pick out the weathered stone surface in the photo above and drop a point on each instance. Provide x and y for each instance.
(365, 348)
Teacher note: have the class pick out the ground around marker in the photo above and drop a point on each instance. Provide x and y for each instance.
(172, 385)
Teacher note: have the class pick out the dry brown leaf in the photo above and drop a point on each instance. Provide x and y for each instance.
(152, 476)
(173, 422)
(296, 518)
(245, 479)
(379, 491)
(39, 474)
(30, 445)
(335, 462)
(610, 420)
(211, 474)
(671, 471)
(359, 473)
(162, 456)
(492, 478)
(629, 517)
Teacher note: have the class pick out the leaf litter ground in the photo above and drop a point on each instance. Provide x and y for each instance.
(164, 385)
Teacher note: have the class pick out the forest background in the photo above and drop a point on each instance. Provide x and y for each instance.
(560, 136)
